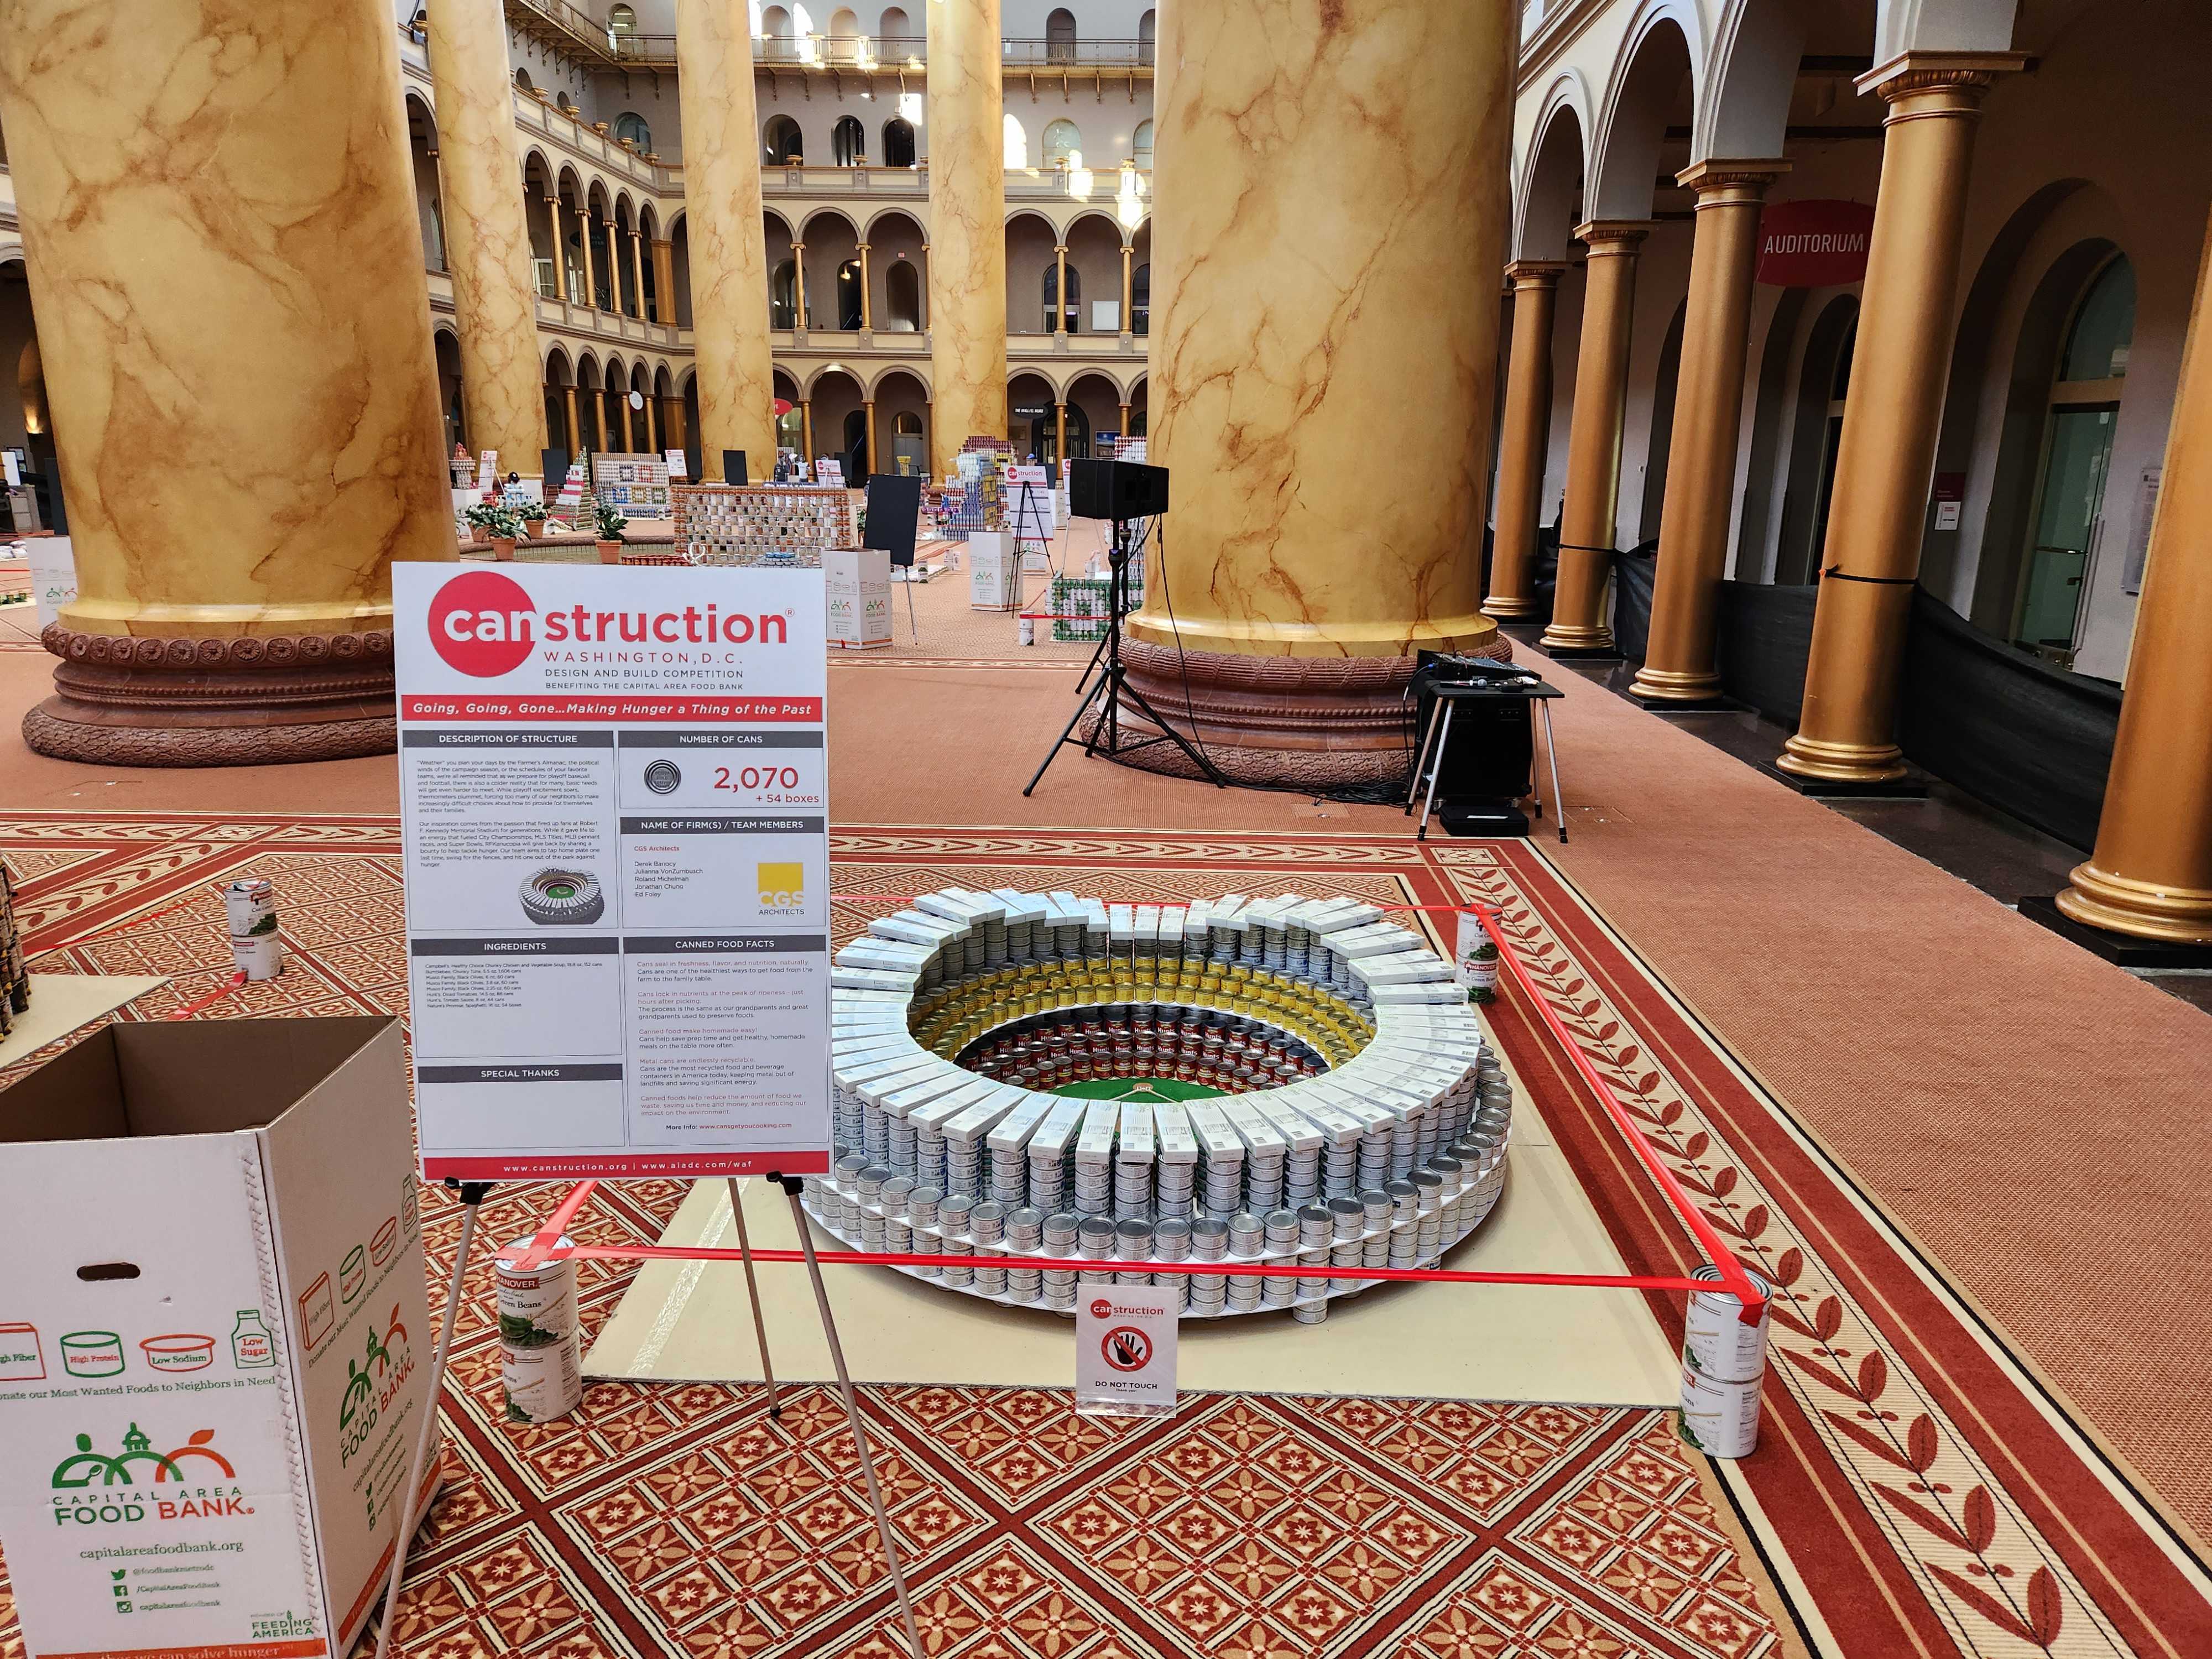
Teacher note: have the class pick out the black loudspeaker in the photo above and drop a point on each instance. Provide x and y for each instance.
(1115, 489)
(1492, 754)
(734, 466)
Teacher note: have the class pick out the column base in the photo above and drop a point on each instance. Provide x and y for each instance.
(1812, 762)
(2140, 911)
(1577, 643)
(1318, 723)
(1501, 609)
(1666, 688)
(242, 701)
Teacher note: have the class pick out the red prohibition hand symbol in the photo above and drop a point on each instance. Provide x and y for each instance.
(1126, 1348)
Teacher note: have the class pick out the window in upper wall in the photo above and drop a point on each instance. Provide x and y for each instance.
(522, 79)
(898, 142)
(1062, 139)
(782, 142)
(1017, 143)
(849, 143)
(903, 297)
(622, 19)
(896, 36)
(1147, 26)
(1059, 36)
(631, 125)
(844, 34)
(1140, 145)
(775, 24)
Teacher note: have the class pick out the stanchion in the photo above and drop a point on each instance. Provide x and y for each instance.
(792, 1187)
(472, 1197)
(752, 1294)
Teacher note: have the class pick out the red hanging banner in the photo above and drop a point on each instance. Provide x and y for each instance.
(1816, 244)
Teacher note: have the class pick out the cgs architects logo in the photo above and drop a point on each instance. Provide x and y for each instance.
(484, 624)
(86, 1483)
(782, 888)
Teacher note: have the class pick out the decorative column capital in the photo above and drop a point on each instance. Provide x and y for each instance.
(1721, 181)
(799, 247)
(1534, 273)
(1613, 238)
(1060, 248)
(861, 247)
(1966, 75)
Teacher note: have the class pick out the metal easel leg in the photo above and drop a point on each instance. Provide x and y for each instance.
(1443, 748)
(473, 1196)
(752, 1295)
(1551, 750)
(792, 1188)
(1428, 738)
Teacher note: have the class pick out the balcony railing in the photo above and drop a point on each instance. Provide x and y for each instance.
(897, 51)
(1028, 184)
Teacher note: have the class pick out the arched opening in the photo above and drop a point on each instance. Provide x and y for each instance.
(1141, 146)
(1823, 381)
(849, 295)
(630, 125)
(1059, 36)
(422, 153)
(622, 19)
(1030, 412)
(790, 428)
(679, 260)
(901, 298)
(898, 142)
(782, 142)
(896, 39)
(561, 100)
(2081, 414)
(1140, 300)
(1030, 241)
(557, 436)
(840, 423)
(446, 349)
(1063, 311)
(41, 475)
(1063, 139)
(1664, 382)
(783, 295)
(1147, 29)
(522, 81)
(1094, 416)
(775, 33)
(1016, 146)
(849, 143)
(844, 34)
(901, 424)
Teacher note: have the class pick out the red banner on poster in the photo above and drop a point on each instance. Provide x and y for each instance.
(1813, 243)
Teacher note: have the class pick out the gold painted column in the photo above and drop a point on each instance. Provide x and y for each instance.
(1059, 293)
(869, 408)
(867, 310)
(1288, 270)
(664, 281)
(1525, 446)
(728, 250)
(244, 399)
(806, 430)
(629, 437)
(2151, 873)
(799, 284)
(651, 417)
(575, 429)
(1128, 291)
(637, 268)
(1590, 521)
(1058, 433)
(672, 424)
(583, 240)
(1847, 733)
(967, 226)
(1700, 503)
(488, 233)
(606, 419)
(560, 253)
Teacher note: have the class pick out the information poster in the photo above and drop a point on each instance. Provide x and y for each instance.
(614, 793)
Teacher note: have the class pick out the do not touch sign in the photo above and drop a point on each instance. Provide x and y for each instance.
(1125, 1351)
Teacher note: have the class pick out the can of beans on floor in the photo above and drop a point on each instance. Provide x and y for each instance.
(540, 1347)
(250, 905)
(1724, 1362)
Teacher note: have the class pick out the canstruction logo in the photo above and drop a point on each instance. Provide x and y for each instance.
(373, 1383)
(484, 624)
(159, 1484)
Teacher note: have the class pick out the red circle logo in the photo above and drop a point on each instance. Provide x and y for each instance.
(1126, 1348)
(482, 623)
(1101, 1309)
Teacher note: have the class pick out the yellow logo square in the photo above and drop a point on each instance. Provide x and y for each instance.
(782, 885)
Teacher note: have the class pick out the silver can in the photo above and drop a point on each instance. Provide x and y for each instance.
(536, 1305)
(542, 1384)
(250, 905)
(1715, 1342)
(1720, 1420)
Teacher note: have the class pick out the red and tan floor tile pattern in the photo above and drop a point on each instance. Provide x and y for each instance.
(1910, 1495)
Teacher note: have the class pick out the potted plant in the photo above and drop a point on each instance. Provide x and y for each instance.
(532, 515)
(609, 525)
(481, 517)
(505, 527)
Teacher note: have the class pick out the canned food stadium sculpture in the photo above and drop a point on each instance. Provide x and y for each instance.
(1037, 1080)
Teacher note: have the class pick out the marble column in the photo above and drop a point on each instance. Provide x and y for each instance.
(1301, 328)
(1588, 522)
(214, 202)
(1886, 456)
(2151, 873)
(729, 254)
(560, 250)
(664, 282)
(967, 227)
(488, 233)
(1525, 445)
(1699, 513)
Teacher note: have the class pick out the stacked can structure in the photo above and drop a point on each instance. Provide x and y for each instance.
(1724, 1362)
(14, 976)
(250, 905)
(1360, 1118)
(541, 1361)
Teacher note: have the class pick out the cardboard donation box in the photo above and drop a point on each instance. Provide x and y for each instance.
(991, 573)
(215, 1346)
(858, 581)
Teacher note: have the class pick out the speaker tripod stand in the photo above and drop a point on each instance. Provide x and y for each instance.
(1112, 685)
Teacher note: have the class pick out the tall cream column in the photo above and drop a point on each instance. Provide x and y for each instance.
(1847, 734)
(1700, 505)
(2151, 874)
(214, 200)
(1281, 357)
(967, 231)
(488, 233)
(1525, 445)
(1588, 522)
(729, 255)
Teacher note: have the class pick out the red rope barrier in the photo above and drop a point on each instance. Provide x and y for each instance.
(544, 1245)
(215, 995)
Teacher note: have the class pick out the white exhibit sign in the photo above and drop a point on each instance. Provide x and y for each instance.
(1125, 1350)
(679, 465)
(53, 574)
(858, 583)
(614, 795)
(829, 470)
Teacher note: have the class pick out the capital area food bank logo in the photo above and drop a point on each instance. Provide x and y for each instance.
(87, 1466)
(373, 1383)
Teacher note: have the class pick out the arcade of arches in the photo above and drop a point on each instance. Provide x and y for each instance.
(1816, 395)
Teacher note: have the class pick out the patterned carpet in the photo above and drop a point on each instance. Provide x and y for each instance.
(1914, 1492)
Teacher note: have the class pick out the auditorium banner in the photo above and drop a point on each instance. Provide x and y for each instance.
(1816, 244)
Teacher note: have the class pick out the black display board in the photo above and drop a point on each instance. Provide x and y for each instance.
(733, 467)
(894, 515)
